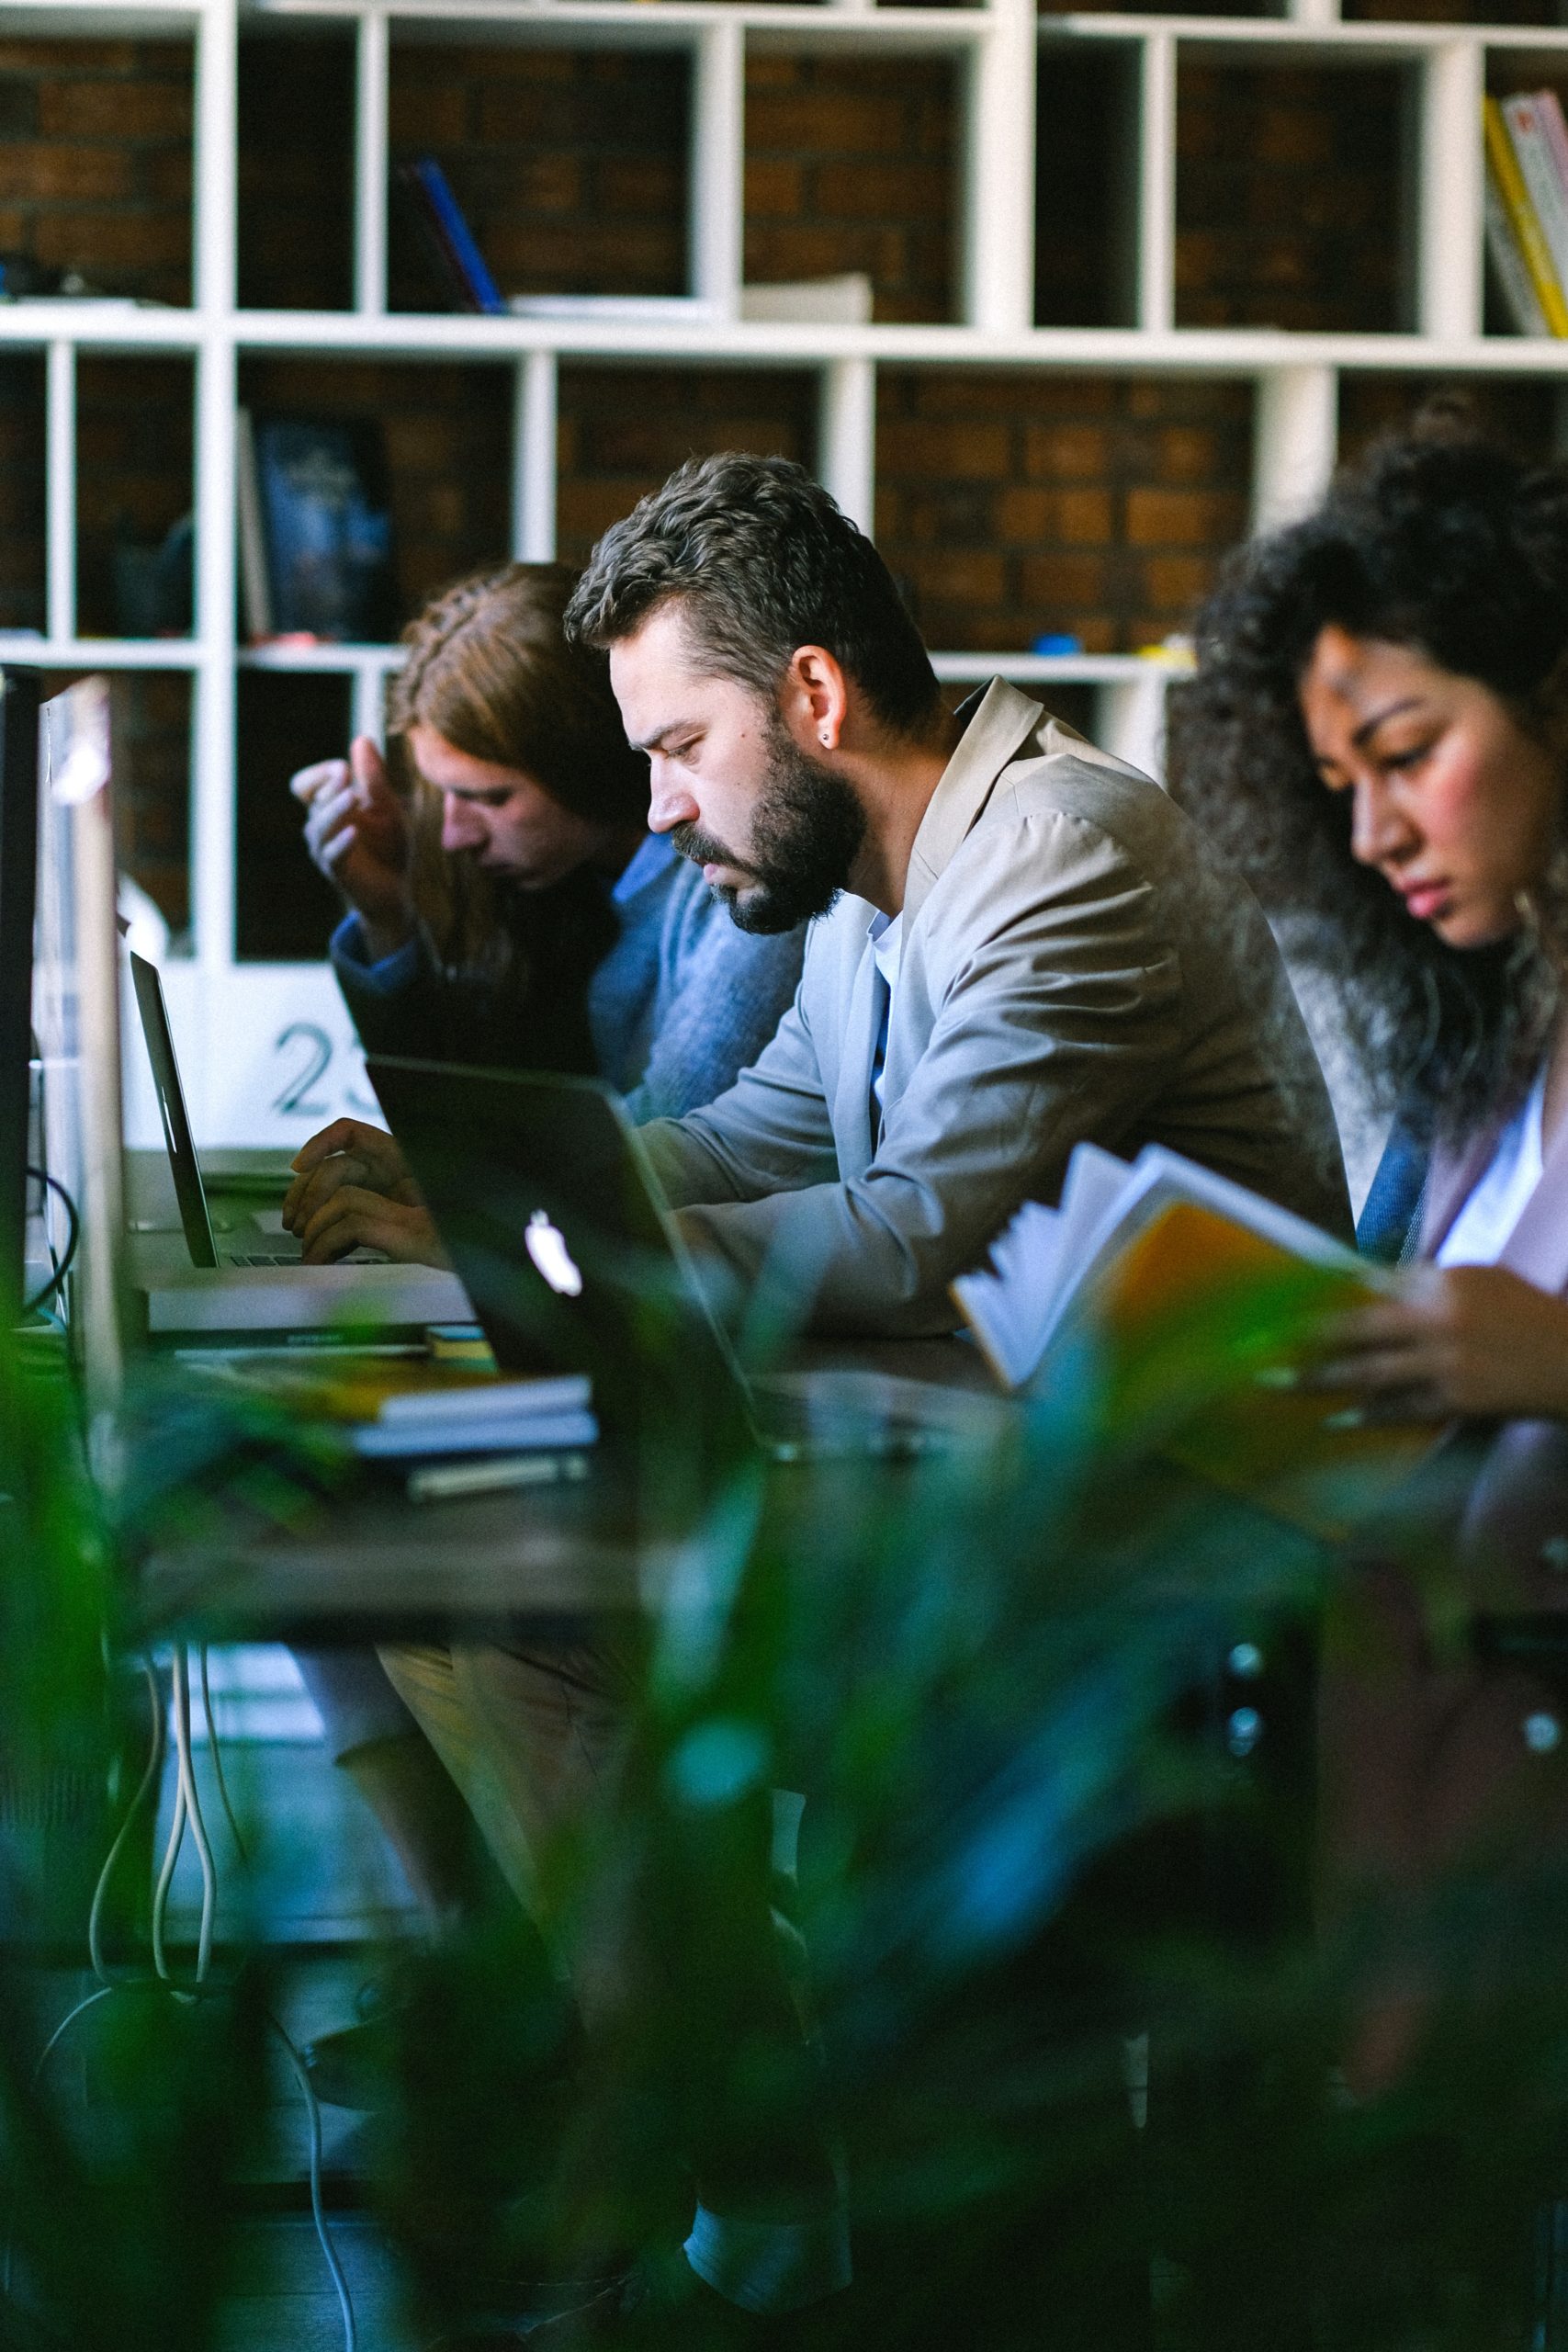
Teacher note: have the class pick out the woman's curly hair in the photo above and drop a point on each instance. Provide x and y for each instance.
(1439, 540)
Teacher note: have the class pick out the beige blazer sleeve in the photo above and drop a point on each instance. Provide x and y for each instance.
(1024, 1019)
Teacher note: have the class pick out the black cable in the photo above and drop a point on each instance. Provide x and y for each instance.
(74, 1235)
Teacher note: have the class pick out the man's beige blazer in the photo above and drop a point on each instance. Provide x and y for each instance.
(1075, 962)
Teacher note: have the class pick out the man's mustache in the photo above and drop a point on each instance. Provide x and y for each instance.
(704, 849)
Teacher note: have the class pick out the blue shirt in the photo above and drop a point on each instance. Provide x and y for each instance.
(680, 1003)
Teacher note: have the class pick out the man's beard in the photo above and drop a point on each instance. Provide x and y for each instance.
(805, 835)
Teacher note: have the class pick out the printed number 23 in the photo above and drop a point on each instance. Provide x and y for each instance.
(316, 1057)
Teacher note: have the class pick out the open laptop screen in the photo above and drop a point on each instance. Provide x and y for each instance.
(189, 1190)
(18, 854)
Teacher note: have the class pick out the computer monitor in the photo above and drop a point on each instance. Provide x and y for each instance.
(76, 1018)
(19, 855)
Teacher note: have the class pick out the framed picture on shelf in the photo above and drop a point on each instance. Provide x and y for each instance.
(319, 564)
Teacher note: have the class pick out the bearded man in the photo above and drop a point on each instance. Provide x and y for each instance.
(1022, 943)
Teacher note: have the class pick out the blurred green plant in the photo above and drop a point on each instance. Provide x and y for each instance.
(1071, 2029)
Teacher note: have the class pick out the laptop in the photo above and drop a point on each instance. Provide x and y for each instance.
(256, 1279)
(551, 1212)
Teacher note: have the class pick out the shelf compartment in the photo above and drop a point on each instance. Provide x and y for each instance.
(446, 433)
(1086, 210)
(284, 910)
(1290, 208)
(295, 163)
(135, 496)
(23, 475)
(853, 164)
(572, 164)
(623, 430)
(94, 160)
(1012, 505)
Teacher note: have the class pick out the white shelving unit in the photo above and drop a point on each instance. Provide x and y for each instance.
(300, 1066)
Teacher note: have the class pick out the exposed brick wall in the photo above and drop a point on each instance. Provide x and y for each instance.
(852, 163)
(1288, 192)
(1010, 504)
(1527, 415)
(623, 429)
(94, 161)
(570, 164)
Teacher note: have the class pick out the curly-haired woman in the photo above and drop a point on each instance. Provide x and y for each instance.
(1379, 729)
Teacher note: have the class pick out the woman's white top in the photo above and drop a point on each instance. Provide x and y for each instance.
(1480, 1232)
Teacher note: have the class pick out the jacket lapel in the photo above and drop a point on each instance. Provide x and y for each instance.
(1004, 721)
(1538, 1246)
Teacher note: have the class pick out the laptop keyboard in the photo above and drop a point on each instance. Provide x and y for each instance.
(292, 1258)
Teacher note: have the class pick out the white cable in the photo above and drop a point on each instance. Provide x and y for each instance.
(318, 2214)
(216, 1754)
(148, 1783)
(188, 1806)
(187, 1810)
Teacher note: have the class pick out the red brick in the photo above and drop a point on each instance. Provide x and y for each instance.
(1179, 517)
(774, 187)
(963, 452)
(126, 109)
(824, 122)
(1066, 451)
(426, 113)
(36, 170)
(1178, 582)
(914, 191)
(1066, 583)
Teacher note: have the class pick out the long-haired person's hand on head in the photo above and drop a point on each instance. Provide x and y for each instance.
(1466, 1342)
(355, 832)
(346, 1154)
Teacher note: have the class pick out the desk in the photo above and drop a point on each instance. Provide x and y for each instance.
(373, 1563)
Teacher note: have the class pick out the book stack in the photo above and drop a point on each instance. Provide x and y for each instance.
(1527, 209)
(449, 1425)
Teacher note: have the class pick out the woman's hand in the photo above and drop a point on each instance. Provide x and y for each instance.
(347, 1153)
(1454, 1341)
(356, 836)
(352, 1219)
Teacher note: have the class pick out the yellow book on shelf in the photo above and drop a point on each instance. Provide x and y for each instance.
(1523, 218)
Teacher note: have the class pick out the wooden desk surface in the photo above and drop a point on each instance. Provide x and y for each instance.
(375, 1561)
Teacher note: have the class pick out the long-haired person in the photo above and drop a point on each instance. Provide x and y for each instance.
(1379, 728)
(505, 904)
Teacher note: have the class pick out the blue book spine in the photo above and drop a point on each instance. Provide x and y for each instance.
(459, 235)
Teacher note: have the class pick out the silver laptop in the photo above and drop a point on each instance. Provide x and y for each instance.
(542, 1193)
(255, 1279)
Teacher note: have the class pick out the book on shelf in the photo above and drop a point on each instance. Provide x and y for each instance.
(449, 242)
(618, 309)
(255, 588)
(326, 527)
(844, 301)
(1195, 1300)
(1527, 185)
